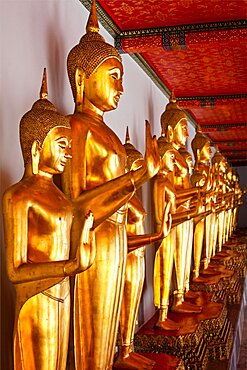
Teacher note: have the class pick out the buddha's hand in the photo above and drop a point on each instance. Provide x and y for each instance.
(152, 157)
(166, 220)
(86, 250)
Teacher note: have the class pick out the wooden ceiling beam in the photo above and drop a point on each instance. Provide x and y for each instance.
(230, 142)
(190, 102)
(181, 37)
(223, 127)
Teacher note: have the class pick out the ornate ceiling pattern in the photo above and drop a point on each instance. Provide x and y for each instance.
(198, 48)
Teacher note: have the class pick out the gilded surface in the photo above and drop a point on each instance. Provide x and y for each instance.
(98, 157)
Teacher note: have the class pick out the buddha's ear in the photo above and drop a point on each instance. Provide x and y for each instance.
(169, 134)
(35, 154)
(198, 154)
(79, 82)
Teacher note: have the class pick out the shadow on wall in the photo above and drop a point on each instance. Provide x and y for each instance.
(7, 316)
(7, 296)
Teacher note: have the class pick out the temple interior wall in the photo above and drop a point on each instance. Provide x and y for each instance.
(37, 34)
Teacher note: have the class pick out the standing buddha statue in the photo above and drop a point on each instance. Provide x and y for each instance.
(175, 130)
(135, 270)
(190, 223)
(219, 167)
(98, 157)
(204, 229)
(37, 225)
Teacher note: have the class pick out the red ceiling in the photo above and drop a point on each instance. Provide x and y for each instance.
(137, 14)
(197, 48)
(209, 68)
(228, 114)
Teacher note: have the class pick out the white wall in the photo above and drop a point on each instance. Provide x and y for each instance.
(37, 34)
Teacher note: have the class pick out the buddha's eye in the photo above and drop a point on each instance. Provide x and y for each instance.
(62, 143)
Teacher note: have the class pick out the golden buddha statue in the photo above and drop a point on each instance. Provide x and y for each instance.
(135, 269)
(98, 157)
(237, 196)
(164, 192)
(174, 129)
(230, 202)
(190, 223)
(204, 229)
(219, 167)
(37, 226)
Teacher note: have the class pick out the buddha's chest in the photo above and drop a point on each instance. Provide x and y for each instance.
(105, 155)
(49, 224)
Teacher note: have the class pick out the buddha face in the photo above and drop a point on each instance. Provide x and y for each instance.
(181, 133)
(167, 161)
(103, 89)
(55, 151)
(205, 152)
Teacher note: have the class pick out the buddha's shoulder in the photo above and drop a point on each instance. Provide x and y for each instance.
(18, 192)
(24, 190)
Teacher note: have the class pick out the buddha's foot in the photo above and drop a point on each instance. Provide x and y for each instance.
(190, 294)
(167, 324)
(143, 360)
(222, 254)
(209, 271)
(133, 362)
(186, 307)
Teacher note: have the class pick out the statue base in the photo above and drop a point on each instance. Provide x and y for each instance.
(224, 283)
(162, 362)
(201, 337)
(238, 251)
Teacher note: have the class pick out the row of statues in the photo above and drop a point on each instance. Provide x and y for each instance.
(83, 245)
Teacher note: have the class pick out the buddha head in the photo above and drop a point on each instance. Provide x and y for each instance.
(167, 155)
(44, 135)
(201, 146)
(134, 157)
(174, 124)
(95, 70)
(219, 161)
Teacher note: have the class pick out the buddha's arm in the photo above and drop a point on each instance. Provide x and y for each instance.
(188, 215)
(158, 196)
(136, 211)
(137, 241)
(16, 238)
(105, 199)
(186, 193)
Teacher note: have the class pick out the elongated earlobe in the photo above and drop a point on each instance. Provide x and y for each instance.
(35, 151)
(198, 155)
(79, 81)
(169, 134)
